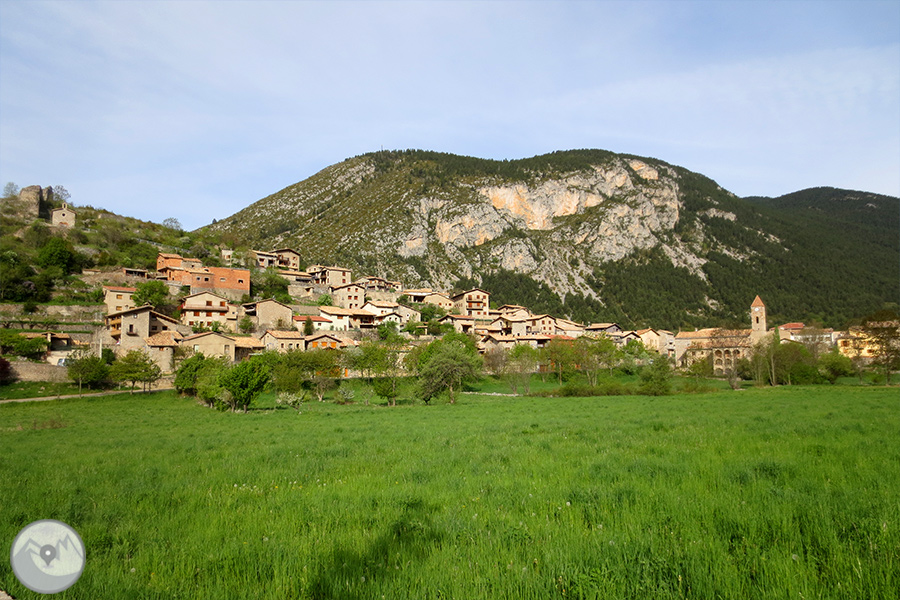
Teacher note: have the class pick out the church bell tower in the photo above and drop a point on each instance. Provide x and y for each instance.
(757, 320)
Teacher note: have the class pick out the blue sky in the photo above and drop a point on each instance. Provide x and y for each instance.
(194, 110)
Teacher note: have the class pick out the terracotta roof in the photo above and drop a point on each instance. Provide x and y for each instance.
(164, 338)
(285, 335)
(601, 325)
(757, 302)
(313, 318)
(248, 342)
(205, 333)
(114, 288)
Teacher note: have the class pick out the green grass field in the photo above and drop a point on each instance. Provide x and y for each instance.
(766, 493)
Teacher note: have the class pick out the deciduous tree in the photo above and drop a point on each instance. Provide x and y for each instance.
(447, 369)
(244, 382)
(136, 366)
(86, 368)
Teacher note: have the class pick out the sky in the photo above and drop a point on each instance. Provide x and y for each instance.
(194, 110)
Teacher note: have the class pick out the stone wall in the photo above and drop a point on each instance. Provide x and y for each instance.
(30, 371)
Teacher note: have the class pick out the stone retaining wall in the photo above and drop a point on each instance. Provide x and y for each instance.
(30, 371)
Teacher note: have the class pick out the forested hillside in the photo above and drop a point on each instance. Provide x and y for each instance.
(590, 234)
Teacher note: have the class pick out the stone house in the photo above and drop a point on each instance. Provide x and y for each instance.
(511, 326)
(348, 296)
(63, 217)
(283, 341)
(288, 259)
(296, 277)
(117, 298)
(130, 328)
(461, 324)
(381, 308)
(206, 308)
(598, 329)
(513, 311)
(439, 299)
(543, 324)
(324, 341)
(660, 340)
(245, 347)
(211, 343)
(319, 323)
(473, 303)
(269, 314)
(338, 317)
(161, 348)
(329, 276)
(264, 260)
(568, 328)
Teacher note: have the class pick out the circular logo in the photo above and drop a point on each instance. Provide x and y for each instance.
(47, 556)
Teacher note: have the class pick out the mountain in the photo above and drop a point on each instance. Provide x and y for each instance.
(589, 234)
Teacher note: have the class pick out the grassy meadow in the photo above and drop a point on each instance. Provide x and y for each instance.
(764, 493)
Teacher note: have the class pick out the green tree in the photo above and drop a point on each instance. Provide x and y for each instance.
(136, 366)
(20, 345)
(595, 355)
(656, 380)
(244, 382)
(447, 370)
(86, 368)
(560, 355)
(308, 328)
(155, 293)
(58, 253)
(198, 370)
(298, 372)
(833, 365)
(246, 324)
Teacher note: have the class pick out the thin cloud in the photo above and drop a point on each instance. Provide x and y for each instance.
(224, 103)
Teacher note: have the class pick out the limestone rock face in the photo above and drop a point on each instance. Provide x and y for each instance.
(584, 218)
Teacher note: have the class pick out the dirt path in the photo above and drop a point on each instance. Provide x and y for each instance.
(158, 388)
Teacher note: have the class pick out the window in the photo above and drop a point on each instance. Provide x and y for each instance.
(221, 279)
(222, 303)
(209, 302)
(206, 279)
(209, 314)
(118, 296)
(240, 281)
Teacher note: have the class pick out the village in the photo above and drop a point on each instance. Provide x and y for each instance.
(333, 310)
